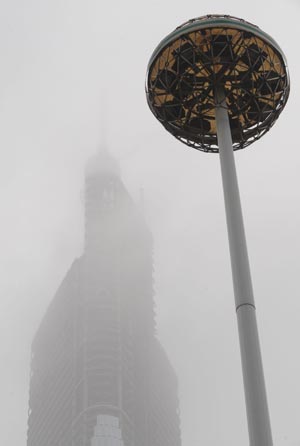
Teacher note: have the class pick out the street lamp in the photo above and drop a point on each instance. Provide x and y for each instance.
(218, 83)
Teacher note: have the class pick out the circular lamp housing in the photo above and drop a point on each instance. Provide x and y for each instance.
(209, 53)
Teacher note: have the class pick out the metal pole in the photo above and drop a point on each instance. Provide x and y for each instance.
(254, 384)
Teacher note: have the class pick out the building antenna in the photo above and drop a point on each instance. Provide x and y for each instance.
(103, 124)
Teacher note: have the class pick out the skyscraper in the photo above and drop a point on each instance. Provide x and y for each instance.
(95, 355)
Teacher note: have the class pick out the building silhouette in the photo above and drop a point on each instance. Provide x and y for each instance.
(97, 366)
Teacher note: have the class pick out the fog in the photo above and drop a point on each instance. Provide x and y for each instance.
(72, 80)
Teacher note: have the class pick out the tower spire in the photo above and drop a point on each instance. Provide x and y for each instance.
(103, 124)
(102, 163)
(102, 193)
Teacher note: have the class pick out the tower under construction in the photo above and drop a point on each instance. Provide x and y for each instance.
(97, 367)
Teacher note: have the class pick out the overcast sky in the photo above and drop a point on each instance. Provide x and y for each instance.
(69, 69)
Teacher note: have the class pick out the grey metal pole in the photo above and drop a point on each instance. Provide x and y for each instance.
(254, 384)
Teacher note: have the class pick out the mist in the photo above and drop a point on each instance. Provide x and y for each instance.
(72, 81)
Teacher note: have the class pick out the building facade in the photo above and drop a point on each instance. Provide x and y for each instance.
(95, 355)
(107, 432)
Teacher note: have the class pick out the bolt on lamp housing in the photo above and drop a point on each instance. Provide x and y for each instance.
(210, 52)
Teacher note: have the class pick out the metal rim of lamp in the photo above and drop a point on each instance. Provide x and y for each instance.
(207, 53)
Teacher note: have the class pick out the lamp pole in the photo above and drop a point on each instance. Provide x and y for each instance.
(218, 83)
(259, 426)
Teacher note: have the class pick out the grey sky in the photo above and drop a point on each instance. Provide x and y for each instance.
(62, 63)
